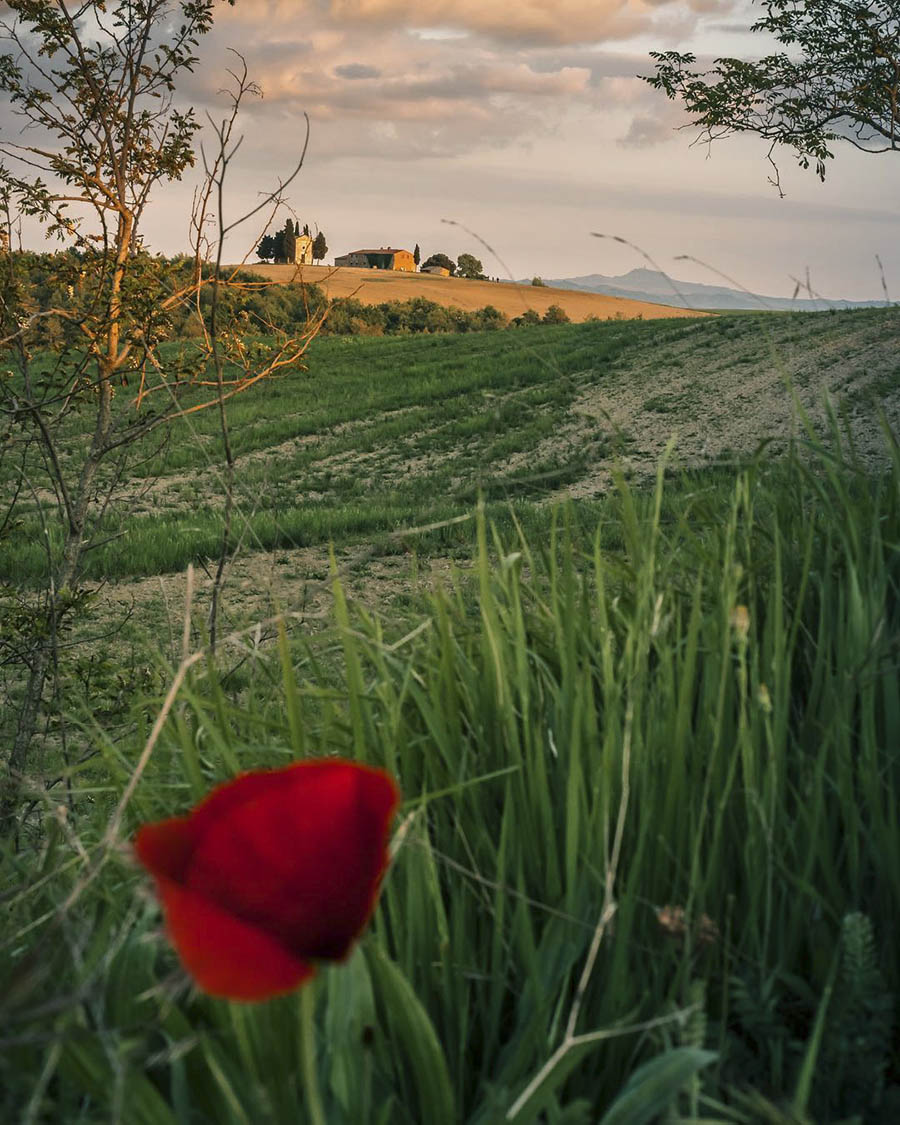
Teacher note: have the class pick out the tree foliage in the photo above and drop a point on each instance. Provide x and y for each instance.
(837, 80)
(555, 315)
(470, 267)
(284, 242)
(440, 260)
(347, 316)
(528, 317)
(319, 247)
(417, 254)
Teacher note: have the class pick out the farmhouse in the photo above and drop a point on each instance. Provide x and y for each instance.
(387, 258)
(438, 271)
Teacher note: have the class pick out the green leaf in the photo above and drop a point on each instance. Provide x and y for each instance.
(655, 1085)
(87, 1065)
(350, 1010)
(415, 1035)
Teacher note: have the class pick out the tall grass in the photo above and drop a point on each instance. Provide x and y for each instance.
(693, 722)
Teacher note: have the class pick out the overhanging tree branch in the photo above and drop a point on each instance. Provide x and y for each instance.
(838, 80)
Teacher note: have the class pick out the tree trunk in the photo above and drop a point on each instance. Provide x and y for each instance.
(61, 585)
(66, 578)
(11, 784)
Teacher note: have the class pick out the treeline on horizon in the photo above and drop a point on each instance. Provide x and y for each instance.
(256, 307)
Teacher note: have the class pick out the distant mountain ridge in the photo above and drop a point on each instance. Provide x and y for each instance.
(650, 285)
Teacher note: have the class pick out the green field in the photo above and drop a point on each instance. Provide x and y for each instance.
(379, 435)
(642, 701)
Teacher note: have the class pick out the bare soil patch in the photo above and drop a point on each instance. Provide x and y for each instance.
(721, 402)
(260, 585)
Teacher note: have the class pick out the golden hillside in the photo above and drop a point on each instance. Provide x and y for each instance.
(372, 287)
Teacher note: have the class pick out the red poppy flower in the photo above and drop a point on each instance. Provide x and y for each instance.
(272, 872)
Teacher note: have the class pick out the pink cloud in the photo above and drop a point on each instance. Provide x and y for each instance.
(535, 21)
(402, 79)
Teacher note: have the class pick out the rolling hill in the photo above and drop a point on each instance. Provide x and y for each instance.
(372, 287)
(655, 287)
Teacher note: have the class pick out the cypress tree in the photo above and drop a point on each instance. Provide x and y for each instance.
(290, 241)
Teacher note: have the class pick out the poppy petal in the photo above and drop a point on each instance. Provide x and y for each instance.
(226, 956)
(301, 856)
(250, 786)
(165, 848)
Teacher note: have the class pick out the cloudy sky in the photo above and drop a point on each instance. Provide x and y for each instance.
(524, 121)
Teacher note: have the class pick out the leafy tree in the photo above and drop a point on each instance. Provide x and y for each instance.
(839, 80)
(94, 88)
(319, 247)
(92, 129)
(491, 319)
(284, 243)
(439, 319)
(441, 260)
(555, 315)
(470, 267)
(266, 248)
(527, 317)
(349, 317)
(539, 281)
(417, 254)
(305, 229)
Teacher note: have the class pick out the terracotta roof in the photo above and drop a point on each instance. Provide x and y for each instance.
(381, 250)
